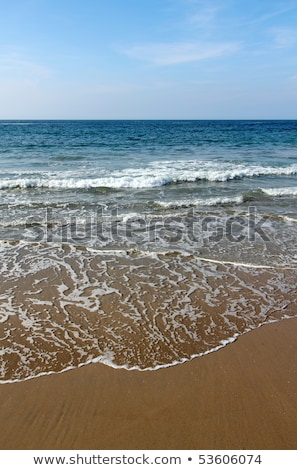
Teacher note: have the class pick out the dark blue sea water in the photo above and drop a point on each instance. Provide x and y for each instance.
(142, 243)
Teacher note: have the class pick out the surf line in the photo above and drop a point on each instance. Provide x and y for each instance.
(149, 254)
(246, 265)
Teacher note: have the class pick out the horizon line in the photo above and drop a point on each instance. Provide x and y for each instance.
(146, 119)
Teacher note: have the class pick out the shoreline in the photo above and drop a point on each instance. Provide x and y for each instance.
(242, 396)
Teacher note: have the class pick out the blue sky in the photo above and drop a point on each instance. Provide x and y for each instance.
(148, 59)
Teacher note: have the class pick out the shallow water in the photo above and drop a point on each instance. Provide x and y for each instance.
(62, 307)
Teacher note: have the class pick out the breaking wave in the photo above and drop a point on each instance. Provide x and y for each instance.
(157, 174)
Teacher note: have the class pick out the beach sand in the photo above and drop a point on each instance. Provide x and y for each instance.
(243, 396)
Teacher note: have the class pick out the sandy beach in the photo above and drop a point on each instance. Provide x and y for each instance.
(243, 396)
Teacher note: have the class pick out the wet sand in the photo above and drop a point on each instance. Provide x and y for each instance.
(241, 397)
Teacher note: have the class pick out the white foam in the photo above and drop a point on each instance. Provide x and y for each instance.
(156, 174)
(142, 253)
(244, 265)
(289, 191)
(107, 359)
(213, 201)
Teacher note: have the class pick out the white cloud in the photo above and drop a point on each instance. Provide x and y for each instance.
(178, 53)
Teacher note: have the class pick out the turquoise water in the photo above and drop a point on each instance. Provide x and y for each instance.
(142, 243)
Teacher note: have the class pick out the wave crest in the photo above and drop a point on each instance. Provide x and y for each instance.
(157, 174)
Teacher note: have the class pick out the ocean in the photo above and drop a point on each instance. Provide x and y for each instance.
(142, 244)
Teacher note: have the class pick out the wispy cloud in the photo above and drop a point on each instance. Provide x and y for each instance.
(274, 13)
(18, 65)
(198, 17)
(284, 37)
(204, 18)
(163, 54)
